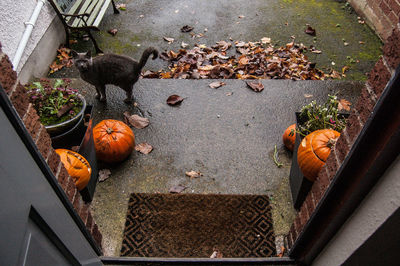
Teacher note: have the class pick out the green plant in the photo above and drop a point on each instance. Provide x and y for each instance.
(55, 102)
(324, 116)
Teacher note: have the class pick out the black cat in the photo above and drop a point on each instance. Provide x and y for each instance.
(118, 70)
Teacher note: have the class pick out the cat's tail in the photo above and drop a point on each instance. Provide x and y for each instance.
(146, 54)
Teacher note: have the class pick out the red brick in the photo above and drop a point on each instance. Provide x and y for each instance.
(395, 6)
(391, 49)
(342, 147)
(353, 127)
(77, 201)
(63, 177)
(20, 100)
(384, 7)
(8, 77)
(97, 235)
(324, 179)
(379, 77)
(303, 214)
(365, 105)
(89, 221)
(317, 191)
(71, 189)
(43, 143)
(53, 161)
(331, 166)
(84, 212)
(31, 121)
(297, 225)
(310, 204)
(393, 18)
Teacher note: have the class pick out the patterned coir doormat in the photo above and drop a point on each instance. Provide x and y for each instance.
(194, 225)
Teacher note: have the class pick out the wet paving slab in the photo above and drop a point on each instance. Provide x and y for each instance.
(342, 40)
(228, 134)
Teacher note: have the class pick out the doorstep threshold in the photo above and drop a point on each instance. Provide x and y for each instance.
(196, 261)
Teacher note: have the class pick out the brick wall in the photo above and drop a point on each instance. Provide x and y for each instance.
(381, 15)
(377, 81)
(17, 94)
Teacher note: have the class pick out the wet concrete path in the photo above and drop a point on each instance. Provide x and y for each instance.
(230, 139)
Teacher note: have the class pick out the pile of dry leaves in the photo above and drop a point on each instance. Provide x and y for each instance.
(63, 59)
(252, 60)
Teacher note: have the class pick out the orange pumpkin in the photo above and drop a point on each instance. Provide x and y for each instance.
(313, 151)
(289, 137)
(113, 140)
(77, 167)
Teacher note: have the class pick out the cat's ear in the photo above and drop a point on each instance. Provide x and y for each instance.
(88, 54)
(74, 54)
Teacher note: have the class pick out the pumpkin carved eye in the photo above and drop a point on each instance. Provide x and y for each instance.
(77, 167)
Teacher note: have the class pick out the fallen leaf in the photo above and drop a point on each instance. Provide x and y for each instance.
(169, 40)
(266, 40)
(282, 252)
(344, 69)
(184, 45)
(309, 30)
(177, 189)
(217, 84)
(216, 255)
(255, 85)
(121, 6)
(241, 16)
(193, 174)
(344, 105)
(113, 32)
(186, 28)
(334, 74)
(345, 43)
(150, 74)
(104, 174)
(144, 148)
(308, 95)
(136, 120)
(174, 99)
(229, 94)
(361, 42)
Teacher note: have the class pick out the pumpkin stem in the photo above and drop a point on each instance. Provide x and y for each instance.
(109, 130)
(331, 143)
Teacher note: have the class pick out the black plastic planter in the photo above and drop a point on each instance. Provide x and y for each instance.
(82, 135)
(299, 185)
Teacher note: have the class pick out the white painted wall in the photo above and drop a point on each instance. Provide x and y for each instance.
(379, 205)
(13, 14)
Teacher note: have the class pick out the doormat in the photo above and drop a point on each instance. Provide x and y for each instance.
(195, 225)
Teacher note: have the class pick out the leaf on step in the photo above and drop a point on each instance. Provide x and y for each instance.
(309, 30)
(177, 189)
(193, 174)
(104, 174)
(169, 40)
(136, 120)
(113, 32)
(186, 28)
(344, 105)
(216, 254)
(265, 40)
(216, 84)
(306, 95)
(174, 99)
(144, 148)
(255, 85)
(121, 7)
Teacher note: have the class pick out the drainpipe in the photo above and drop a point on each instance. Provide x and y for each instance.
(27, 33)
